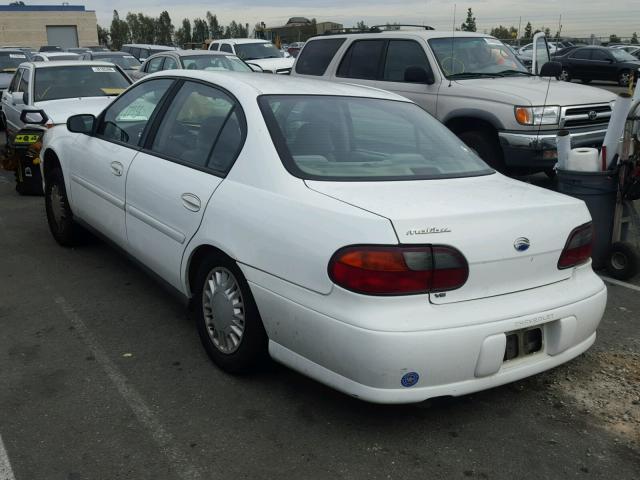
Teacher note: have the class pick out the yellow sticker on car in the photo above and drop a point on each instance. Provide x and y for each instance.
(26, 139)
(112, 91)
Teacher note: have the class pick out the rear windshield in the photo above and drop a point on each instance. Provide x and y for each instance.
(127, 62)
(349, 138)
(215, 62)
(317, 55)
(53, 83)
(9, 61)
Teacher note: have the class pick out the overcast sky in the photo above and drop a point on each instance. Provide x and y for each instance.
(579, 17)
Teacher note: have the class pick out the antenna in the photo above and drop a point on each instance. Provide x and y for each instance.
(453, 36)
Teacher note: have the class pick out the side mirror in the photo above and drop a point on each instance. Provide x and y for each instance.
(18, 98)
(255, 68)
(83, 123)
(415, 74)
(551, 69)
(34, 117)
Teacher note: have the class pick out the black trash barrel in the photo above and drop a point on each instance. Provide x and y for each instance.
(598, 190)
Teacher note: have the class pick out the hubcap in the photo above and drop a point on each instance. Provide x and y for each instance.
(57, 204)
(619, 261)
(223, 309)
(564, 75)
(625, 78)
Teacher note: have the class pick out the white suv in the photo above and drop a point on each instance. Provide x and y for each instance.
(256, 52)
(472, 83)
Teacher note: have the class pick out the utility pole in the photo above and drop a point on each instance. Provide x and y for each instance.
(519, 25)
(559, 27)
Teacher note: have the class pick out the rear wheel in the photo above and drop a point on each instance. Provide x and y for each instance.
(227, 317)
(565, 75)
(485, 143)
(623, 261)
(59, 216)
(624, 78)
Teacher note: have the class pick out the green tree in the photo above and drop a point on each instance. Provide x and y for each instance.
(361, 26)
(103, 36)
(613, 38)
(183, 34)
(200, 30)
(547, 32)
(470, 24)
(528, 31)
(500, 32)
(165, 29)
(215, 29)
(634, 38)
(119, 32)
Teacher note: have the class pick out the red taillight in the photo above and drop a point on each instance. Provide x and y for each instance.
(578, 248)
(398, 270)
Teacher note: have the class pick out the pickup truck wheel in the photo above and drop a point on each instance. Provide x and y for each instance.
(624, 78)
(565, 76)
(59, 216)
(227, 317)
(485, 143)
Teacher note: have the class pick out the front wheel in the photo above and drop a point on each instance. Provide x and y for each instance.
(486, 145)
(623, 261)
(227, 317)
(59, 216)
(624, 78)
(565, 76)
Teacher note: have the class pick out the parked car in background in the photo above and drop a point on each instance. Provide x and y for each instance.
(294, 48)
(144, 51)
(191, 60)
(261, 53)
(96, 48)
(599, 63)
(43, 95)
(78, 50)
(10, 60)
(29, 52)
(636, 53)
(473, 84)
(124, 60)
(55, 56)
(626, 48)
(50, 48)
(391, 262)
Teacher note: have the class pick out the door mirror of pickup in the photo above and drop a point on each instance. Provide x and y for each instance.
(34, 117)
(551, 69)
(416, 74)
(81, 124)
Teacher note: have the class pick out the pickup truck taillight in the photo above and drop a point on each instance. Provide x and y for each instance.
(578, 248)
(398, 270)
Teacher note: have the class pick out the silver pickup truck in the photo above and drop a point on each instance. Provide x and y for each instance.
(472, 83)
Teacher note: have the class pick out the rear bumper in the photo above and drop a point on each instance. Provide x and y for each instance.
(370, 364)
(527, 149)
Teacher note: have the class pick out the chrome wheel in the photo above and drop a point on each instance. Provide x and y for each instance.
(223, 310)
(57, 204)
(624, 79)
(564, 76)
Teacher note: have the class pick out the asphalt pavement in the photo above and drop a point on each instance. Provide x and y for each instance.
(102, 376)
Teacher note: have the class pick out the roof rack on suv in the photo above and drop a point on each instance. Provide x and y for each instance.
(374, 29)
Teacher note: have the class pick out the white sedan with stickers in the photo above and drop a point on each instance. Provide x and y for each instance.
(44, 94)
(340, 229)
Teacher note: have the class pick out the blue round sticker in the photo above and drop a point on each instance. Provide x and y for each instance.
(410, 379)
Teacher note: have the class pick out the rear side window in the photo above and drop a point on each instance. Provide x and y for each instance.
(316, 56)
(226, 48)
(582, 54)
(401, 55)
(214, 46)
(362, 60)
(600, 55)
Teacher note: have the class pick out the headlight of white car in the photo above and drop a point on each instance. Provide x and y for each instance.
(549, 115)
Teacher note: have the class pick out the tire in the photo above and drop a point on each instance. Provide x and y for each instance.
(59, 215)
(551, 173)
(586, 81)
(486, 145)
(565, 75)
(623, 261)
(624, 77)
(233, 307)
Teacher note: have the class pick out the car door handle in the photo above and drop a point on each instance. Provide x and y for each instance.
(117, 168)
(191, 202)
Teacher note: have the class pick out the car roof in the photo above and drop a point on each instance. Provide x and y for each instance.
(57, 54)
(12, 50)
(110, 54)
(260, 84)
(150, 47)
(70, 63)
(426, 34)
(239, 41)
(191, 53)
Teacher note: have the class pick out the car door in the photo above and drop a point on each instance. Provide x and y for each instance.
(362, 62)
(580, 63)
(172, 180)
(8, 107)
(98, 164)
(401, 55)
(603, 66)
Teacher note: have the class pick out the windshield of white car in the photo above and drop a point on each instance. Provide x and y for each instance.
(54, 83)
(9, 61)
(337, 138)
(215, 62)
(128, 62)
(474, 56)
(258, 50)
(622, 55)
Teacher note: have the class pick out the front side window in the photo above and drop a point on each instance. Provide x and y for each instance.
(225, 47)
(473, 57)
(600, 56)
(362, 60)
(25, 81)
(215, 62)
(194, 122)
(362, 139)
(15, 81)
(126, 118)
(317, 55)
(170, 64)
(80, 81)
(402, 54)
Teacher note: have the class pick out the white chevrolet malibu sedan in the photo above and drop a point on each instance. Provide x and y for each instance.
(339, 229)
